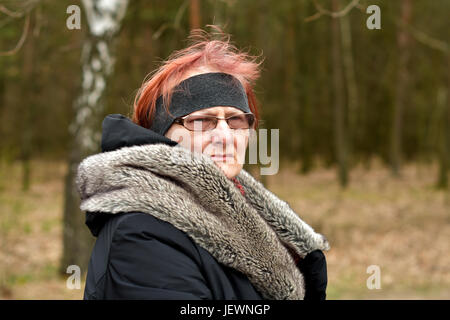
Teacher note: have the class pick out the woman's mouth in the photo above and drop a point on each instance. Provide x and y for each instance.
(222, 157)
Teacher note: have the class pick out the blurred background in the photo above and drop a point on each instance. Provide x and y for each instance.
(363, 113)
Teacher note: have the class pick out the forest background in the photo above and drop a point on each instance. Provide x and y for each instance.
(363, 114)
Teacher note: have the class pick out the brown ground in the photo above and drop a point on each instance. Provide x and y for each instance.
(403, 226)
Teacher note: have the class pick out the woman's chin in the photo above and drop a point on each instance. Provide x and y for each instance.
(230, 170)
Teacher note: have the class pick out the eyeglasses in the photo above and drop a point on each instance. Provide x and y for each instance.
(206, 122)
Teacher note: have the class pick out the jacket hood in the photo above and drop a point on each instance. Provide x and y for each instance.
(119, 131)
(249, 233)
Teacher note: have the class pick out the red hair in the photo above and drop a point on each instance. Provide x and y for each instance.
(219, 55)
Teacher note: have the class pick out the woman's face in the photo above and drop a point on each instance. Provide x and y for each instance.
(225, 146)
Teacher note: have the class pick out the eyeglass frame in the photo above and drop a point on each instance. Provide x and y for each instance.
(180, 120)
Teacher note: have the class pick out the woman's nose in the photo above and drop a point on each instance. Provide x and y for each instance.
(222, 134)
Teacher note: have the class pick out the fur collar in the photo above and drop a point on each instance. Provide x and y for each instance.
(248, 233)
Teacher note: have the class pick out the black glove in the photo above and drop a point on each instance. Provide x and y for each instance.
(314, 269)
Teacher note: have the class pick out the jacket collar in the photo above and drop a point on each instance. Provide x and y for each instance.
(248, 233)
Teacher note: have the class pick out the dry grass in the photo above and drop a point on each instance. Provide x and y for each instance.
(31, 234)
(400, 225)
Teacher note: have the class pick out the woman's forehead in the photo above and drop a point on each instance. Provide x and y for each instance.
(219, 109)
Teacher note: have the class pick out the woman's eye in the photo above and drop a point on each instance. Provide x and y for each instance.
(199, 123)
(199, 119)
(237, 119)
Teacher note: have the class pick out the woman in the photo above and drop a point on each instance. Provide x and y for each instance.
(174, 213)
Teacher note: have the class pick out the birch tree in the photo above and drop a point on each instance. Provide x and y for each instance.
(97, 62)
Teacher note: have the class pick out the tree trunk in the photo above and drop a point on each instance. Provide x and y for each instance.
(352, 90)
(219, 14)
(444, 152)
(97, 61)
(194, 14)
(305, 121)
(28, 106)
(403, 44)
(2, 120)
(339, 112)
(290, 96)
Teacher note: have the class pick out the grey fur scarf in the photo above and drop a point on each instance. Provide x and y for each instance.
(248, 233)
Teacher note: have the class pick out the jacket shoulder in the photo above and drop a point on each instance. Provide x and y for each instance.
(150, 259)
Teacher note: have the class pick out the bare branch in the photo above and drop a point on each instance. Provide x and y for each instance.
(21, 40)
(334, 14)
(10, 13)
(25, 8)
(428, 40)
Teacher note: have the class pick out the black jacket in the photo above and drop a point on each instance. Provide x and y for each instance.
(138, 256)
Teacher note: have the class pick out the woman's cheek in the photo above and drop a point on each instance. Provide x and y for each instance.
(241, 143)
(205, 141)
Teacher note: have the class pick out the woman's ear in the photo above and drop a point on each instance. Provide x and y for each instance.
(179, 134)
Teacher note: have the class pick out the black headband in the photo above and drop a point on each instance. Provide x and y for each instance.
(200, 92)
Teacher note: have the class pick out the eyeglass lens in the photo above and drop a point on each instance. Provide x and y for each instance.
(204, 123)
